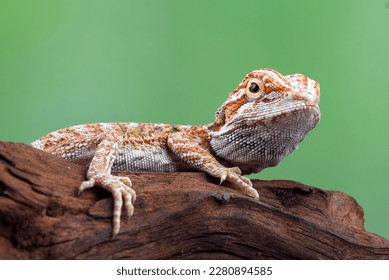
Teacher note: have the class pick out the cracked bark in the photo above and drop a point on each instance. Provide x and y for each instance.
(177, 216)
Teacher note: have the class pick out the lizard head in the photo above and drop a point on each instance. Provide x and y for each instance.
(264, 119)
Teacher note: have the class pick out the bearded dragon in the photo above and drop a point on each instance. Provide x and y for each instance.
(262, 121)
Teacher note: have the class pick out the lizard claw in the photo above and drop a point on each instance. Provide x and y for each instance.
(233, 175)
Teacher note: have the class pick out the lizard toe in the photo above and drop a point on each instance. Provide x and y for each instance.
(117, 210)
(128, 203)
(243, 183)
(125, 180)
(252, 193)
(86, 185)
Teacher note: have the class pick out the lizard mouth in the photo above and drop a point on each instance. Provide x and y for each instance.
(306, 113)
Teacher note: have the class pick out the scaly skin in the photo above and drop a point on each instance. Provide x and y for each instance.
(263, 120)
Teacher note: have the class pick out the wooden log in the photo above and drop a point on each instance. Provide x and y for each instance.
(177, 216)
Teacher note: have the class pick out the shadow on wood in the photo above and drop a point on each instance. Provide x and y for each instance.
(177, 216)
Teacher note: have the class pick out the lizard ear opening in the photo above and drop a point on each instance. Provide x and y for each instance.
(255, 89)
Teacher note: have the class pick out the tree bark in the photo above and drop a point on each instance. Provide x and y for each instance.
(177, 216)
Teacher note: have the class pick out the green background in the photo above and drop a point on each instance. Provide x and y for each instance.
(71, 62)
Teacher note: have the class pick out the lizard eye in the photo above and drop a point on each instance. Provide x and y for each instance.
(255, 89)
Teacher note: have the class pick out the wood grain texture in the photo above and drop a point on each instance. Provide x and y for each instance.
(177, 216)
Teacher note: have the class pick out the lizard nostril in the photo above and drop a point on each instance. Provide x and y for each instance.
(287, 95)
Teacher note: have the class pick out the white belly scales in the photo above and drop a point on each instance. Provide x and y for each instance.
(151, 159)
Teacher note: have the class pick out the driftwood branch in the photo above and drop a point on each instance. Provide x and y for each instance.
(177, 216)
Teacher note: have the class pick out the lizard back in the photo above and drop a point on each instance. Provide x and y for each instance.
(143, 147)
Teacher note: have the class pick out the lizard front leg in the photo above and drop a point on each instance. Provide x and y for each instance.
(99, 174)
(192, 152)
